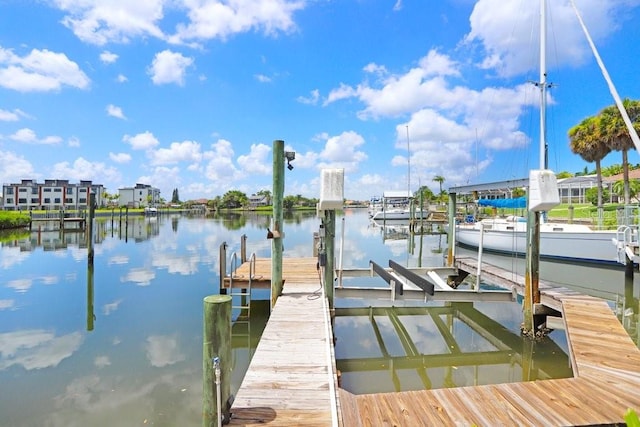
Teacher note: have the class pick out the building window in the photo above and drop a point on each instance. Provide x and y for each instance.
(68, 200)
(47, 200)
(9, 201)
(69, 190)
(22, 190)
(57, 190)
(56, 200)
(9, 190)
(82, 200)
(34, 190)
(34, 200)
(47, 190)
(82, 190)
(22, 201)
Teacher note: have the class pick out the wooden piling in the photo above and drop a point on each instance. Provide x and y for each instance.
(216, 342)
(278, 218)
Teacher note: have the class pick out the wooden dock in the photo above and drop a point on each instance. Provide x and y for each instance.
(292, 377)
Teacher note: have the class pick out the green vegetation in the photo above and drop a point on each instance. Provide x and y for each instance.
(13, 219)
(631, 418)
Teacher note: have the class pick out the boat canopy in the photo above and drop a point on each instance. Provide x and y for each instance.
(520, 202)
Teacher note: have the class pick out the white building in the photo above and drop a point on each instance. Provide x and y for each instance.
(53, 194)
(139, 196)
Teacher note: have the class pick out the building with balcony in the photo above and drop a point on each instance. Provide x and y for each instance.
(142, 195)
(53, 194)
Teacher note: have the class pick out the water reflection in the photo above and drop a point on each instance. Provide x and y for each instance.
(121, 344)
(392, 349)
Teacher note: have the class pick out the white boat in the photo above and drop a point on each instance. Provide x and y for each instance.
(399, 214)
(375, 205)
(558, 241)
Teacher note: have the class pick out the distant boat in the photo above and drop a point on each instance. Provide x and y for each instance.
(150, 211)
(395, 205)
(399, 214)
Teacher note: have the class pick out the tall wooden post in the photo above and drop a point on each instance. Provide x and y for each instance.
(452, 229)
(329, 239)
(216, 343)
(90, 255)
(532, 273)
(276, 243)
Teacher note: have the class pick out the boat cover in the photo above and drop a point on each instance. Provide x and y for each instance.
(520, 202)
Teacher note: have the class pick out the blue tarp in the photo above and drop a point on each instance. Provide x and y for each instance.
(520, 202)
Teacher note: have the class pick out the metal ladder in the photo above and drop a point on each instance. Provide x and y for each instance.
(241, 300)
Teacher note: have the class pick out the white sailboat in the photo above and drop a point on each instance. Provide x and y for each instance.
(567, 242)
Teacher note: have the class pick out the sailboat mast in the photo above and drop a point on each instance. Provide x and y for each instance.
(543, 84)
(408, 165)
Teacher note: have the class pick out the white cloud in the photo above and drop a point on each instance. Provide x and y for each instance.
(169, 67)
(121, 78)
(216, 19)
(120, 157)
(312, 99)
(258, 160)
(139, 276)
(220, 167)
(503, 31)
(39, 71)
(163, 177)
(73, 142)
(28, 136)
(116, 112)
(163, 350)
(94, 23)
(13, 168)
(101, 361)
(82, 169)
(141, 141)
(108, 57)
(6, 304)
(36, 348)
(262, 78)
(11, 116)
(339, 152)
(186, 151)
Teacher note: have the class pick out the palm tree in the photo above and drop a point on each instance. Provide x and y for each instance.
(616, 134)
(633, 186)
(439, 179)
(586, 141)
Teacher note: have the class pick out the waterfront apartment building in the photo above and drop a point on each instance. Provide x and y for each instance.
(53, 194)
(142, 195)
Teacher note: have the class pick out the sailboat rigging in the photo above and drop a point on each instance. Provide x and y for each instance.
(531, 236)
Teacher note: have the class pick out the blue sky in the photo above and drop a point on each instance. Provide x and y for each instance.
(190, 94)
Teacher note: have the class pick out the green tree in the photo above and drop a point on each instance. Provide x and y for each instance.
(427, 194)
(288, 202)
(586, 141)
(619, 188)
(265, 193)
(564, 174)
(439, 179)
(234, 199)
(594, 196)
(617, 136)
(175, 198)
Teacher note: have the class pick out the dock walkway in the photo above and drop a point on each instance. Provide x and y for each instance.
(292, 378)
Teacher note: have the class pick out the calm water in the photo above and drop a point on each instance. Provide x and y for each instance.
(122, 344)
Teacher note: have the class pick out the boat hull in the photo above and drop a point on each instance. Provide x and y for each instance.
(399, 215)
(590, 246)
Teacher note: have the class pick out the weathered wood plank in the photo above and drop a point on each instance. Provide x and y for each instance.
(292, 375)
